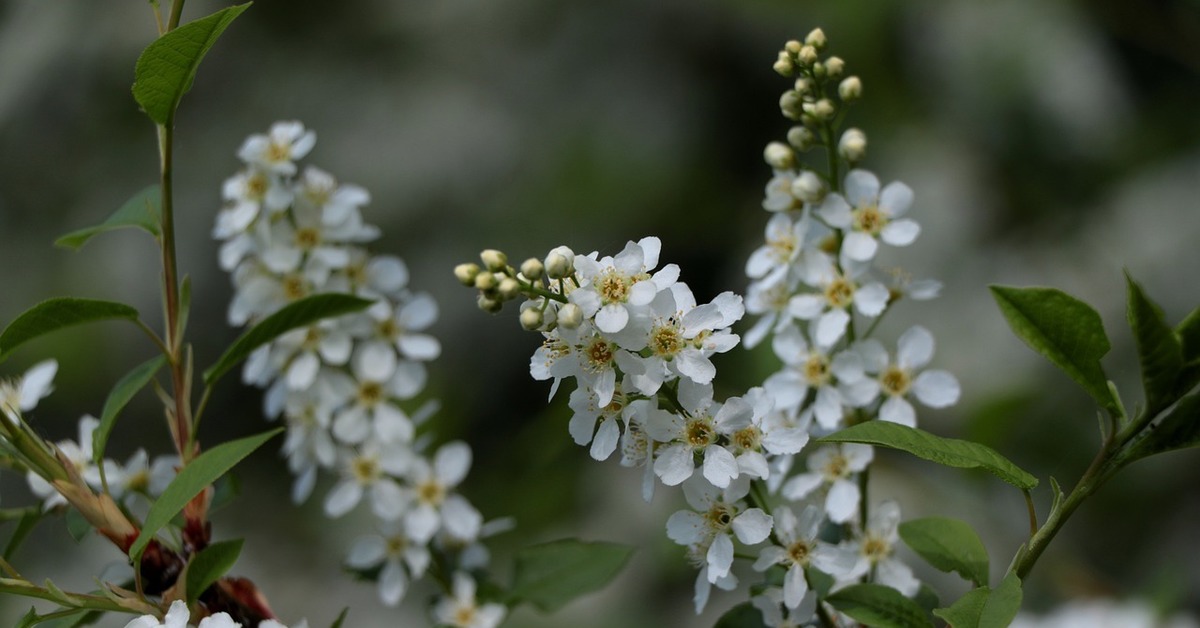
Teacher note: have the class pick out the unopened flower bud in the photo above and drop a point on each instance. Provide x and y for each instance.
(532, 268)
(486, 281)
(783, 64)
(570, 316)
(850, 89)
(560, 263)
(465, 273)
(816, 38)
(779, 156)
(488, 304)
(531, 318)
(823, 110)
(818, 70)
(808, 187)
(834, 67)
(801, 138)
(790, 104)
(853, 145)
(792, 47)
(508, 288)
(804, 86)
(494, 260)
(807, 55)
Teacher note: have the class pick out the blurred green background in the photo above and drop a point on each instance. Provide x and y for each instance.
(1048, 143)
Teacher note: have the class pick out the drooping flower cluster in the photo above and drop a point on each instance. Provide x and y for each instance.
(640, 346)
(343, 386)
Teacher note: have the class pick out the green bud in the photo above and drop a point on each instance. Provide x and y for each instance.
(801, 138)
(494, 260)
(570, 316)
(532, 268)
(531, 318)
(508, 288)
(488, 304)
(850, 89)
(486, 281)
(465, 273)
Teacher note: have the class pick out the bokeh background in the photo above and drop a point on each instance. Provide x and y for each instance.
(1049, 143)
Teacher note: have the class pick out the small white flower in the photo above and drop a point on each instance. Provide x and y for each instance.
(404, 559)
(279, 148)
(784, 237)
(433, 504)
(368, 471)
(867, 213)
(799, 548)
(614, 285)
(717, 517)
(876, 548)
(23, 394)
(831, 466)
(812, 368)
(178, 616)
(838, 291)
(463, 611)
(934, 388)
(777, 615)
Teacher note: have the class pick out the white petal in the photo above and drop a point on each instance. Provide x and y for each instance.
(612, 318)
(800, 486)
(642, 293)
(897, 575)
(419, 313)
(794, 586)
(753, 526)
(830, 327)
(719, 557)
(387, 273)
(342, 498)
(900, 232)
(374, 362)
(806, 306)
(685, 527)
(393, 582)
(871, 299)
(452, 462)
(936, 389)
(914, 348)
(419, 346)
(387, 499)
(842, 501)
(303, 370)
(606, 439)
(720, 467)
(862, 188)
(367, 552)
(37, 383)
(835, 211)
(460, 519)
(895, 199)
(859, 246)
(898, 410)
(674, 465)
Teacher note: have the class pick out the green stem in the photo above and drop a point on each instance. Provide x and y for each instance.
(74, 600)
(176, 13)
(182, 411)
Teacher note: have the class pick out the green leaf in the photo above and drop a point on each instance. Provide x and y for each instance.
(118, 397)
(140, 212)
(195, 477)
(1188, 332)
(947, 451)
(166, 68)
(1179, 428)
(743, 615)
(966, 610)
(949, 545)
(879, 606)
(59, 313)
(29, 619)
(77, 526)
(1159, 351)
(1064, 329)
(303, 312)
(337, 623)
(209, 564)
(985, 607)
(552, 574)
(26, 525)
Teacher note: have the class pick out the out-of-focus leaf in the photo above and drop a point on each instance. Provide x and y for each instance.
(209, 564)
(552, 574)
(879, 606)
(58, 313)
(743, 615)
(948, 545)
(1159, 351)
(140, 212)
(118, 397)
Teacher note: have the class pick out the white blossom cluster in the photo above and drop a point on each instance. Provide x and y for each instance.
(339, 384)
(178, 616)
(138, 476)
(640, 346)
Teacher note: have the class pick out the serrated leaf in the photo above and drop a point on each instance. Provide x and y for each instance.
(947, 451)
(985, 607)
(879, 606)
(337, 623)
(166, 68)
(118, 397)
(59, 313)
(303, 312)
(743, 615)
(552, 574)
(1159, 352)
(140, 212)
(209, 564)
(1065, 330)
(965, 611)
(949, 545)
(1179, 428)
(193, 478)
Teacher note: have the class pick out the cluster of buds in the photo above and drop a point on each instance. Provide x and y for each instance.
(547, 279)
(346, 386)
(817, 100)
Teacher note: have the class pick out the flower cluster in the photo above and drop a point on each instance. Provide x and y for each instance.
(341, 385)
(178, 617)
(640, 346)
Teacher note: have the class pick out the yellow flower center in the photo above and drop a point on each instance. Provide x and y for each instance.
(895, 381)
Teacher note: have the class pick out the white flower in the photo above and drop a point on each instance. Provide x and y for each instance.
(838, 291)
(379, 376)
(687, 436)
(777, 615)
(934, 388)
(463, 611)
(832, 466)
(23, 394)
(245, 194)
(799, 548)
(433, 505)
(403, 557)
(868, 213)
(682, 337)
(778, 195)
(587, 409)
(784, 237)
(770, 303)
(812, 369)
(368, 471)
(400, 325)
(717, 516)
(276, 151)
(178, 616)
(80, 456)
(337, 204)
(613, 285)
(876, 548)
